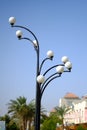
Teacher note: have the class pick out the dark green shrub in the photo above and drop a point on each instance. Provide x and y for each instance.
(80, 127)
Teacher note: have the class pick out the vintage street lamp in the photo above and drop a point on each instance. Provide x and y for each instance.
(41, 81)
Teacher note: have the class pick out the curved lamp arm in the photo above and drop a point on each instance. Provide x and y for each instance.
(42, 86)
(44, 62)
(53, 77)
(28, 31)
(36, 47)
(30, 41)
(50, 56)
(52, 68)
(49, 79)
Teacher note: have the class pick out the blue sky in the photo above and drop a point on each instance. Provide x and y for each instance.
(61, 26)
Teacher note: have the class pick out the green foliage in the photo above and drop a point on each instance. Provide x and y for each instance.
(50, 123)
(10, 123)
(13, 127)
(21, 111)
(60, 112)
(80, 127)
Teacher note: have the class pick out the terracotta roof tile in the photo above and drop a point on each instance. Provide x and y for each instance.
(70, 95)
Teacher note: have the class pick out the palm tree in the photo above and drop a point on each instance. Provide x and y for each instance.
(21, 111)
(30, 113)
(61, 111)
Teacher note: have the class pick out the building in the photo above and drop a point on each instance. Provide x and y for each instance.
(78, 112)
(68, 99)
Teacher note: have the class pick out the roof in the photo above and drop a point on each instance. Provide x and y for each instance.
(71, 95)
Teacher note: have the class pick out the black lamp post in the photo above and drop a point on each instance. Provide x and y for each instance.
(41, 82)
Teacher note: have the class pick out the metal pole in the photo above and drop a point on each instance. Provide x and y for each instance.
(38, 106)
(38, 95)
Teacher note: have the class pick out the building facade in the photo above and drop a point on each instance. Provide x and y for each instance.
(78, 108)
